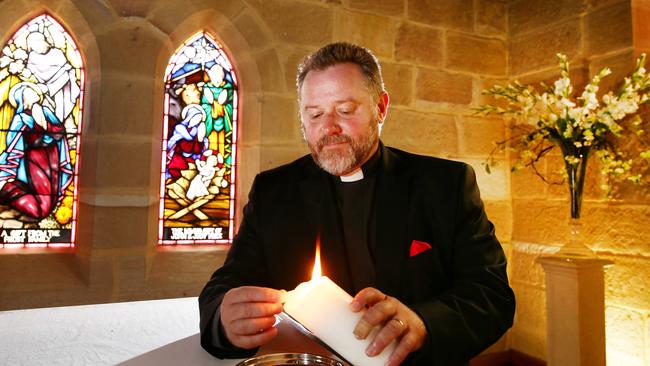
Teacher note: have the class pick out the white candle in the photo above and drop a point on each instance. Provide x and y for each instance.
(323, 308)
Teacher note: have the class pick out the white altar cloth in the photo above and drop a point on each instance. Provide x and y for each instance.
(102, 334)
(157, 332)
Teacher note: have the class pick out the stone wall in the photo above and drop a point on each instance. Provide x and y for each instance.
(593, 34)
(437, 56)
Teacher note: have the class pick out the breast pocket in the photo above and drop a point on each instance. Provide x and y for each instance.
(425, 275)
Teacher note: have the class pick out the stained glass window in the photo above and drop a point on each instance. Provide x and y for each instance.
(197, 184)
(41, 100)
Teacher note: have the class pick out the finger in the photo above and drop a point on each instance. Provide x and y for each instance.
(378, 314)
(388, 333)
(252, 294)
(249, 327)
(254, 310)
(366, 297)
(406, 345)
(256, 340)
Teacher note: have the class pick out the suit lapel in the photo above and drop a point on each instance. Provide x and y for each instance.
(325, 222)
(392, 203)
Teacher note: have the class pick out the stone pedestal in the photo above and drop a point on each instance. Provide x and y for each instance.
(575, 310)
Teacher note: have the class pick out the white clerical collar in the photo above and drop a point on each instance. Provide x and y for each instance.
(352, 177)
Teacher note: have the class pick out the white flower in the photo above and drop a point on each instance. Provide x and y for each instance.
(606, 71)
(566, 102)
(575, 113)
(609, 98)
(544, 98)
(622, 107)
(578, 123)
(590, 100)
(605, 118)
(562, 85)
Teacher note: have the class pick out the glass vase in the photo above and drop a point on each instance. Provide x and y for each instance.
(576, 173)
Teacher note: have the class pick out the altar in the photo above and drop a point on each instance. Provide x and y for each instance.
(156, 332)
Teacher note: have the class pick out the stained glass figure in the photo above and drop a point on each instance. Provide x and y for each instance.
(197, 191)
(41, 99)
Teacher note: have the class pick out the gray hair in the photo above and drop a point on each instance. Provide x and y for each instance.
(342, 52)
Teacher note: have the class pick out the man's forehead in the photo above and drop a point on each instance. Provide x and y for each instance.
(339, 83)
(310, 105)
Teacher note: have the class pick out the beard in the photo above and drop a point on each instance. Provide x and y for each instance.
(343, 161)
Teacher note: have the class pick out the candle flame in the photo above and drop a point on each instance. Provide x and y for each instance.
(316, 273)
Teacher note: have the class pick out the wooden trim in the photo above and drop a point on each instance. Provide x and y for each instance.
(492, 359)
(521, 359)
(506, 358)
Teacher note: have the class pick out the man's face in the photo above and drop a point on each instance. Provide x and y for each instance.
(340, 120)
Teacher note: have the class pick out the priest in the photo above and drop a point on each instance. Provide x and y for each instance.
(406, 235)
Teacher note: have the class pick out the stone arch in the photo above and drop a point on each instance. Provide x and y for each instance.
(241, 55)
(69, 16)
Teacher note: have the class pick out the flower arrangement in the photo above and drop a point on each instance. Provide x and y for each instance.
(577, 125)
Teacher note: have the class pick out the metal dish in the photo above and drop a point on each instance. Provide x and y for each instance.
(282, 359)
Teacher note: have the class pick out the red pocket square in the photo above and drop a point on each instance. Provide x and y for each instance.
(418, 247)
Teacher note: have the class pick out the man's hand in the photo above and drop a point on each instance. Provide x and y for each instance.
(248, 315)
(396, 320)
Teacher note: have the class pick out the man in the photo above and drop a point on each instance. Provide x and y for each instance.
(406, 234)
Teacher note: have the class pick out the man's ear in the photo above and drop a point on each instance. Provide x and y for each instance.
(382, 106)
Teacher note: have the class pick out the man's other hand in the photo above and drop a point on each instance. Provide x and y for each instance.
(248, 315)
(396, 321)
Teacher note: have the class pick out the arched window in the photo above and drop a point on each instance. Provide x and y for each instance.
(197, 184)
(41, 101)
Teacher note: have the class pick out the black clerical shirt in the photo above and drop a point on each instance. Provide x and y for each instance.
(358, 221)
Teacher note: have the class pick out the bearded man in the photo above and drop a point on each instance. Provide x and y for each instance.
(406, 234)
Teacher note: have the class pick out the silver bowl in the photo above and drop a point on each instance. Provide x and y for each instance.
(281, 359)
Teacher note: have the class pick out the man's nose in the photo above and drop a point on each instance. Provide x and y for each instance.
(331, 125)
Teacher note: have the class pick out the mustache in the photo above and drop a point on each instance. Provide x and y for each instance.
(332, 140)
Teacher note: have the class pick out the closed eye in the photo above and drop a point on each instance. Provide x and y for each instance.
(346, 110)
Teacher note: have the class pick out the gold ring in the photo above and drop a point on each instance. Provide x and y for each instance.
(401, 323)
